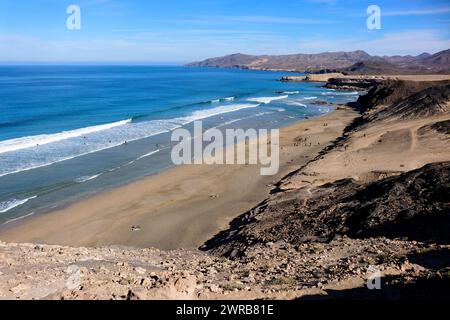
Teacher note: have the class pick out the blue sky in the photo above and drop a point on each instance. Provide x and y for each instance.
(177, 31)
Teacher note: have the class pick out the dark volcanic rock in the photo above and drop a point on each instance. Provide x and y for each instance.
(351, 84)
(381, 67)
(415, 205)
(428, 102)
(427, 287)
(442, 126)
(320, 102)
(393, 91)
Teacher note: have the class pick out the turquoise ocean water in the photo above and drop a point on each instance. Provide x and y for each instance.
(70, 131)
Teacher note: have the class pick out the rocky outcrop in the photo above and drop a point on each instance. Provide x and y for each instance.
(324, 77)
(360, 84)
(393, 91)
(429, 102)
(322, 240)
(272, 271)
(293, 79)
(414, 205)
(442, 126)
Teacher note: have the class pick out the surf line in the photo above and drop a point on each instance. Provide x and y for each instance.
(189, 150)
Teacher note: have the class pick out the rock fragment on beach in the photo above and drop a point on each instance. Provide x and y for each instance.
(278, 269)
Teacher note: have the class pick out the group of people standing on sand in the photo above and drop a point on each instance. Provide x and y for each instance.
(304, 142)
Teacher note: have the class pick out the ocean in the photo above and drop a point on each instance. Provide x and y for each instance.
(70, 131)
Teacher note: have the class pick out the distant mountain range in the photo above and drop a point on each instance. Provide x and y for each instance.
(353, 62)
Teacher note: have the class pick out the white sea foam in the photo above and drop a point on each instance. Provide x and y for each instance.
(324, 110)
(259, 114)
(308, 98)
(11, 204)
(43, 139)
(293, 102)
(87, 178)
(340, 93)
(148, 154)
(203, 114)
(71, 144)
(266, 100)
(19, 218)
(215, 101)
(139, 158)
(290, 92)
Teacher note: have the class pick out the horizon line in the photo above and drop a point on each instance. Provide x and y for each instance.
(182, 63)
(78, 63)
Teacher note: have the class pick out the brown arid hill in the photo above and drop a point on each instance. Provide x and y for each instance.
(438, 60)
(382, 67)
(372, 67)
(414, 205)
(297, 62)
(376, 201)
(388, 176)
(273, 271)
(388, 138)
(430, 102)
(421, 64)
(353, 62)
(392, 91)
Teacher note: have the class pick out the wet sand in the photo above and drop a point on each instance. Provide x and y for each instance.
(181, 207)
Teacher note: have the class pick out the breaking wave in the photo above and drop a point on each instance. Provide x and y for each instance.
(5, 206)
(266, 100)
(43, 150)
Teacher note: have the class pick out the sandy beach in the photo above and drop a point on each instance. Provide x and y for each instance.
(213, 152)
(378, 195)
(181, 207)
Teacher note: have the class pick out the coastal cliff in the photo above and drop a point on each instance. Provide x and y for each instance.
(376, 200)
(388, 177)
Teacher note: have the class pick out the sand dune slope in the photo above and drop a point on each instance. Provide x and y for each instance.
(395, 138)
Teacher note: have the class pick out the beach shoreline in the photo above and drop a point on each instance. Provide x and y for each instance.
(181, 207)
(314, 233)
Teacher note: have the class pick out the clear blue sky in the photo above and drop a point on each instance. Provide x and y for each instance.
(178, 31)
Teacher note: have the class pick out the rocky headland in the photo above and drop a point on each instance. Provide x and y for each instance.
(352, 63)
(374, 203)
